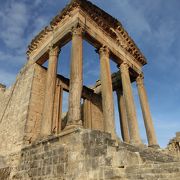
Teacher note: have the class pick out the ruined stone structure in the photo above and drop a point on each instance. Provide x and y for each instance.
(37, 141)
(174, 145)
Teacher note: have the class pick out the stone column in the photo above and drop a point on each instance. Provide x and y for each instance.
(57, 114)
(46, 124)
(87, 114)
(76, 79)
(107, 92)
(123, 116)
(130, 106)
(146, 112)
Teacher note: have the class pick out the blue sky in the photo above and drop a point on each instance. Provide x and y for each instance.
(155, 27)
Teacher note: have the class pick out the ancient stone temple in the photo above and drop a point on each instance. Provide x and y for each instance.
(38, 141)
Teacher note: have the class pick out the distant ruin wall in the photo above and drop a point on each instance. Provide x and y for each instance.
(13, 111)
(174, 145)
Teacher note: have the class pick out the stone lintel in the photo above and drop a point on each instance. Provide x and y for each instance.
(59, 37)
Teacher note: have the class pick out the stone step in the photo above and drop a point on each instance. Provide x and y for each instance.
(150, 154)
(153, 170)
(146, 171)
(118, 173)
(133, 178)
(155, 165)
(154, 179)
(150, 176)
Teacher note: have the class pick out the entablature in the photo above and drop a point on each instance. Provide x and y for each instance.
(99, 29)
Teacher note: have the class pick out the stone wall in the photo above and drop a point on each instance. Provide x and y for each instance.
(14, 104)
(32, 128)
(84, 154)
(92, 114)
(174, 145)
(76, 154)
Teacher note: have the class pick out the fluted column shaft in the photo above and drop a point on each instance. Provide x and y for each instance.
(107, 92)
(76, 78)
(123, 116)
(130, 106)
(47, 119)
(152, 141)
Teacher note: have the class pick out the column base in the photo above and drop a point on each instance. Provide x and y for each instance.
(114, 136)
(137, 143)
(155, 146)
(74, 125)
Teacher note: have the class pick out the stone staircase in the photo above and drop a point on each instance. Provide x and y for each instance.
(91, 155)
(160, 171)
(153, 164)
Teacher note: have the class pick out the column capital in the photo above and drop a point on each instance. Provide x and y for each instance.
(54, 50)
(104, 50)
(140, 79)
(77, 30)
(123, 67)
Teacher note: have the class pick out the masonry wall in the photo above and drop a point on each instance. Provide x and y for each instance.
(33, 125)
(92, 114)
(77, 154)
(14, 104)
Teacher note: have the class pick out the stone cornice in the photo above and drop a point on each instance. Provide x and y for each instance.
(38, 39)
(105, 21)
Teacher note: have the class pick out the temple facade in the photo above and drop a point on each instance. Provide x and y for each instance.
(78, 22)
(40, 141)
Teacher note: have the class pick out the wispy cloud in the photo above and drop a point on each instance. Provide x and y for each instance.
(132, 17)
(14, 20)
(12, 59)
(19, 22)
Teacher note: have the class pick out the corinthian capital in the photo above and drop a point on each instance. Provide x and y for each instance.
(124, 67)
(54, 51)
(140, 79)
(77, 30)
(104, 50)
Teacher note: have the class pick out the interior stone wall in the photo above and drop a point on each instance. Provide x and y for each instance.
(92, 114)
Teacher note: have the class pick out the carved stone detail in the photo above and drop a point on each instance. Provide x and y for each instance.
(54, 51)
(140, 80)
(104, 51)
(77, 31)
(124, 67)
(112, 27)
